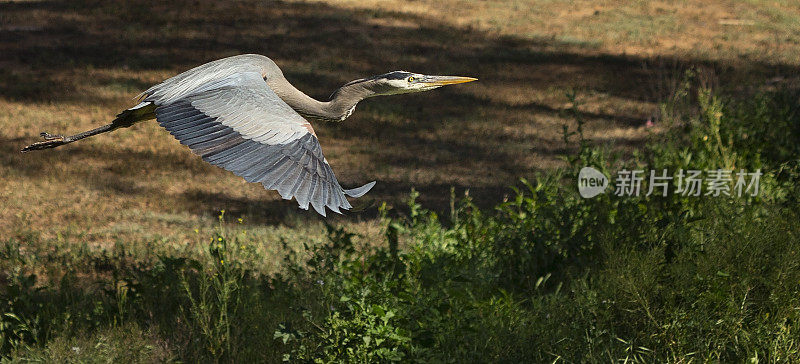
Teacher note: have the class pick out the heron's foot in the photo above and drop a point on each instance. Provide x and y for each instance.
(50, 141)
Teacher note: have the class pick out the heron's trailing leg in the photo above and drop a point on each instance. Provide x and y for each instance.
(52, 141)
(143, 111)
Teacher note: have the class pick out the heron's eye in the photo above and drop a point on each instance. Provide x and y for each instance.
(411, 79)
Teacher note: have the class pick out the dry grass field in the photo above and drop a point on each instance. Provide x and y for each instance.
(67, 66)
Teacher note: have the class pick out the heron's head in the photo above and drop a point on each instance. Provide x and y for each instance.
(402, 82)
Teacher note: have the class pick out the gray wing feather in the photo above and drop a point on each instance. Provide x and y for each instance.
(238, 123)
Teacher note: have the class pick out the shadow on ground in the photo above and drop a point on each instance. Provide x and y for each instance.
(320, 47)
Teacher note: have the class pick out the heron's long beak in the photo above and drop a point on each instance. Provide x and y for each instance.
(445, 80)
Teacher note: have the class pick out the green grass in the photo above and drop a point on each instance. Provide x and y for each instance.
(545, 276)
(125, 343)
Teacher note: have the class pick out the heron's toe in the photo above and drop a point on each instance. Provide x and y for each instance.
(47, 136)
(47, 144)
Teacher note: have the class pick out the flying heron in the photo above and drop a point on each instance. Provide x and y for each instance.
(240, 113)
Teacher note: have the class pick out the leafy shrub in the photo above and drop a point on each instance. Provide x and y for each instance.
(545, 276)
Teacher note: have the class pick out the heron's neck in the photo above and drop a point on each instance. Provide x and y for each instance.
(339, 107)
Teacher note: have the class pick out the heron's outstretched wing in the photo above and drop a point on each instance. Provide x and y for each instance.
(238, 123)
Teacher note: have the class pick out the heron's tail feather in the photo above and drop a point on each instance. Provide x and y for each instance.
(359, 191)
